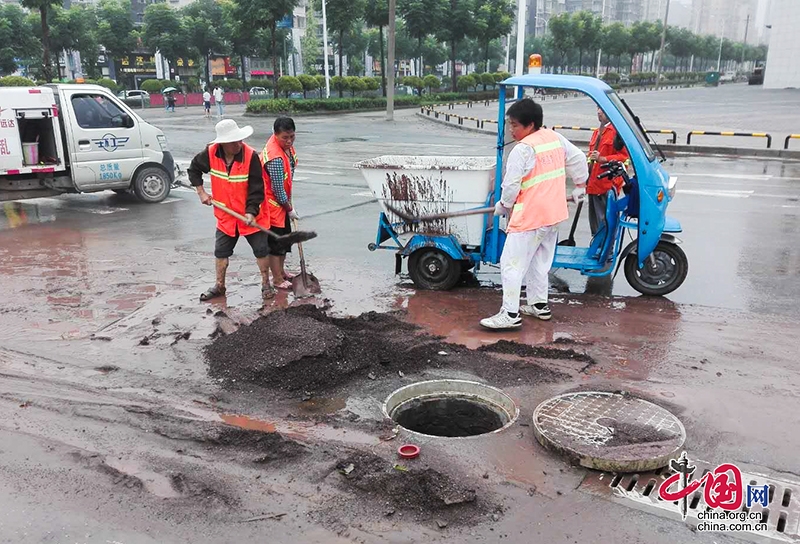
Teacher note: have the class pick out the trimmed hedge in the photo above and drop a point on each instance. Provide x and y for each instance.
(285, 105)
(16, 81)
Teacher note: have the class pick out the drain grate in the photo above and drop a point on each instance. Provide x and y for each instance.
(640, 491)
(609, 431)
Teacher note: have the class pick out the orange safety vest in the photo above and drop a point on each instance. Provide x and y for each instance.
(230, 189)
(542, 199)
(273, 150)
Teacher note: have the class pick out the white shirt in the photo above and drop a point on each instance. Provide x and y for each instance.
(218, 94)
(522, 159)
(206, 97)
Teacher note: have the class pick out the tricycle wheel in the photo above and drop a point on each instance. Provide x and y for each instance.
(433, 269)
(372, 247)
(662, 273)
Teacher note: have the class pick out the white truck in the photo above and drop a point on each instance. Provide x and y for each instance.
(58, 139)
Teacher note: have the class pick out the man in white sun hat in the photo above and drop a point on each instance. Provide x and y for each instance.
(237, 182)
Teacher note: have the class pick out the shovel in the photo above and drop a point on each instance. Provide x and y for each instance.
(288, 239)
(304, 285)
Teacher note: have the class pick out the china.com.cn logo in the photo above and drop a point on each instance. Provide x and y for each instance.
(722, 487)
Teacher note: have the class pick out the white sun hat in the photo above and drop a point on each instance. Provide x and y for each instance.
(228, 132)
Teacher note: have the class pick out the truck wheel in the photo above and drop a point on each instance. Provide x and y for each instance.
(433, 269)
(151, 185)
(662, 274)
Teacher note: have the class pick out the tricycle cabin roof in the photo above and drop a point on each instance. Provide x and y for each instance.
(557, 81)
(406, 162)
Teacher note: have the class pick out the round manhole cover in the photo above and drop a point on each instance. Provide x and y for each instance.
(609, 431)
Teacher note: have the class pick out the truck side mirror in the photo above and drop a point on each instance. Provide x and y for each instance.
(127, 121)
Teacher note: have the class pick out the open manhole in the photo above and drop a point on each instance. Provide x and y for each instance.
(451, 408)
(613, 432)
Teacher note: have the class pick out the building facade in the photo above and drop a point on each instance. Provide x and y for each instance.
(732, 19)
(783, 69)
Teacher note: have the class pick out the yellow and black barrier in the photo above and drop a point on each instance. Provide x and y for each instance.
(727, 133)
(664, 131)
(565, 127)
(790, 137)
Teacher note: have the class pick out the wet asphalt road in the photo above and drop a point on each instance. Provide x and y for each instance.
(85, 277)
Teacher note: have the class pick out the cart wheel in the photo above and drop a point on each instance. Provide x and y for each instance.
(662, 274)
(433, 269)
(372, 247)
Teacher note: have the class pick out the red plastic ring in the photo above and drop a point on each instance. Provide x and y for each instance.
(408, 451)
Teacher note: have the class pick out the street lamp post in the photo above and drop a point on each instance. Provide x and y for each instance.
(600, 49)
(390, 79)
(521, 8)
(325, 50)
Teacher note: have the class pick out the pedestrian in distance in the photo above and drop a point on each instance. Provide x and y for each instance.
(534, 198)
(171, 102)
(219, 100)
(280, 161)
(605, 146)
(237, 182)
(207, 103)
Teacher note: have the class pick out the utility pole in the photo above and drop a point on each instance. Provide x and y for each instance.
(325, 50)
(520, 61)
(722, 37)
(661, 50)
(390, 79)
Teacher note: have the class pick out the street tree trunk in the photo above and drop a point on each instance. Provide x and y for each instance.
(208, 75)
(46, 71)
(244, 76)
(580, 61)
(274, 53)
(383, 61)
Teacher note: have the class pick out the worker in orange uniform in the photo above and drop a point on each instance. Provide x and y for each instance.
(605, 146)
(534, 195)
(236, 182)
(280, 161)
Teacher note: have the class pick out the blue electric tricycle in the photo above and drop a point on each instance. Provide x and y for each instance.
(653, 262)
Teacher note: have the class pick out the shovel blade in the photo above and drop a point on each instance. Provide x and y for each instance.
(568, 243)
(305, 285)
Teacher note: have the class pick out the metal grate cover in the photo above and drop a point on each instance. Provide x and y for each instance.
(640, 491)
(609, 431)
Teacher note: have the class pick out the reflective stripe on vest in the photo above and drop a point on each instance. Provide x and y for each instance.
(542, 198)
(231, 189)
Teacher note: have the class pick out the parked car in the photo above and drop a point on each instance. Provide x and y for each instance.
(255, 91)
(727, 77)
(757, 77)
(135, 97)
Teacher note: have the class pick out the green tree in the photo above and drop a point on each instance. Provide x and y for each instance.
(343, 16)
(465, 83)
(561, 29)
(614, 40)
(432, 82)
(266, 14)
(310, 44)
(289, 84)
(164, 32)
(679, 43)
(376, 14)
(42, 6)
(356, 84)
(321, 84)
(16, 39)
(242, 41)
(457, 25)
(115, 29)
(586, 31)
(340, 83)
(308, 82)
(493, 19)
(372, 83)
(421, 17)
(202, 20)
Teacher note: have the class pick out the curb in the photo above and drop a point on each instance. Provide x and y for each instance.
(326, 112)
(668, 149)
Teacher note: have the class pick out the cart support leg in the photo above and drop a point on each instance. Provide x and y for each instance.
(398, 264)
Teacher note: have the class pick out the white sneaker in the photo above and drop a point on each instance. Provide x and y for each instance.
(540, 310)
(502, 321)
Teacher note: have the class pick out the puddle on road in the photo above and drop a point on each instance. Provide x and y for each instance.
(322, 406)
(249, 423)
